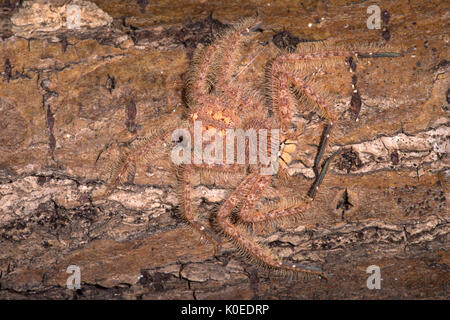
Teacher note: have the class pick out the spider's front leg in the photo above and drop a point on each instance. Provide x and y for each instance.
(281, 82)
(250, 191)
(282, 78)
(214, 65)
(226, 62)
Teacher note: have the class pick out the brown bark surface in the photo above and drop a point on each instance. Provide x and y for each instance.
(71, 100)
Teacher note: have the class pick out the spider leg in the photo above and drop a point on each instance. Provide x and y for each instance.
(250, 189)
(306, 56)
(216, 61)
(213, 66)
(148, 149)
(185, 173)
(320, 51)
(189, 213)
(231, 45)
(281, 79)
(274, 212)
(281, 82)
(198, 81)
(321, 105)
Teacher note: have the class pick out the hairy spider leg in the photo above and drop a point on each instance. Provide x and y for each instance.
(185, 173)
(141, 149)
(249, 190)
(282, 78)
(283, 63)
(201, 76)
(188, 210)
(275, 211)
(226, 63)
(197, 83)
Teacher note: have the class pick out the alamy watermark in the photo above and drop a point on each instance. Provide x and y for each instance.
(74, 280)
(374, 280)
(374, 20)
(73, 17)
(228, 147)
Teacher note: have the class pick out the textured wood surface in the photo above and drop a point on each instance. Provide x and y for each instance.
(70, 100)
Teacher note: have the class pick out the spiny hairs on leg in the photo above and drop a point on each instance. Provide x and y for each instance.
(287, 69)
(323, 53)
(325, 46)
(197, 81)
(218, 57)
(230, 45)
(322, 50)
(226, 67)
(237, 233)
(184, 175)
(154, 146)
(257, 255)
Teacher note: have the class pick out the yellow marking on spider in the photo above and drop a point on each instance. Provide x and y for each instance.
(217, 116)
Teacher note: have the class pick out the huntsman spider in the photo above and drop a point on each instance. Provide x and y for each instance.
(216, 103)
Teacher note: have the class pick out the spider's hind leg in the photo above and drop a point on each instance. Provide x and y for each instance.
(185, 175)
(250, 191)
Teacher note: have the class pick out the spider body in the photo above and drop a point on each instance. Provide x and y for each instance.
(218, 105)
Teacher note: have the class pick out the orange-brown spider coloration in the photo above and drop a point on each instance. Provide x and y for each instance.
(221, 104)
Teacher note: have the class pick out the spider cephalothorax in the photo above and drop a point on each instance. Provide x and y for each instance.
(222, 110)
